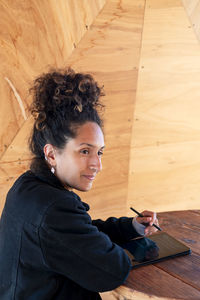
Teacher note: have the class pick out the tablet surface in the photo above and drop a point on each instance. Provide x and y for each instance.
(155, 248)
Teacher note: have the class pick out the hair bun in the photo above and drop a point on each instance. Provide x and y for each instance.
(64, 91)
(62, 101)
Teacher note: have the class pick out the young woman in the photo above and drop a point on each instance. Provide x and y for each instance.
(49, 246)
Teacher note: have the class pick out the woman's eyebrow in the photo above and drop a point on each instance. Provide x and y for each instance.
(90, 145)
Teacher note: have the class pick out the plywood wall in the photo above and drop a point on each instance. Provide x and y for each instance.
(147, 56)
(110, 51)
(192, 8)
(165, 161)
(35, 35)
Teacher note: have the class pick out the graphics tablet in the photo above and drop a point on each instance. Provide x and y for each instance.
(155, 248)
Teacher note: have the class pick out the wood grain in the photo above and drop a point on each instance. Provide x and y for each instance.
(192, 8)
(110, 51)
(35, 35)
(146, 278)
(185, 226)
(187, 231)
(164, 171)
(158, 59)
(176, 278)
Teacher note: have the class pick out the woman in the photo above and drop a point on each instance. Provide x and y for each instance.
(50, 248)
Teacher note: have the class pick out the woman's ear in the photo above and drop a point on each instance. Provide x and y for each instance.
(49, 152)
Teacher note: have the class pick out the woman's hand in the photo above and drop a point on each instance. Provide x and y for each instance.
(148, 220)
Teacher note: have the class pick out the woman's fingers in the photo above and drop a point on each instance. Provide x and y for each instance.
(149, 218)
(150, 230)
(145, 220)
(149, 214)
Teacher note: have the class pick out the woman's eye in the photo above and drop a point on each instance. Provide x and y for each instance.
(84, 151)
(100, 153)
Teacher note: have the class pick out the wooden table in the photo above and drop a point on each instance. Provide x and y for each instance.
(177, 278)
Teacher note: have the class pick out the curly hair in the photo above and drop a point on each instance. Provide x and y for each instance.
(62, 101)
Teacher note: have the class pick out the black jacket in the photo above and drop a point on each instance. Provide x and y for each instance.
(50, 249)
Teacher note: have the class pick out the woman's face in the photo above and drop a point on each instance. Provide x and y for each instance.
(79, 162)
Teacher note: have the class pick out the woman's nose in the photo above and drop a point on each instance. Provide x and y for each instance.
(96, 164)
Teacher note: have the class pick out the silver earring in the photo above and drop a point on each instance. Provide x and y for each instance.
(52, 170)
(45, 158)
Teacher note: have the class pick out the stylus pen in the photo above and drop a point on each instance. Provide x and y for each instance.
(141, 215)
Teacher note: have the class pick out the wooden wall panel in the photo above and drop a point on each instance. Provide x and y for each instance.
(35, 34)
(165, 163)
(192, 8)
(163, 132)
(15, 160)
(110, 50)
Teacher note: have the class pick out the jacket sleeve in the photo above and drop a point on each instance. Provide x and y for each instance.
(75, 248)
(120, 230)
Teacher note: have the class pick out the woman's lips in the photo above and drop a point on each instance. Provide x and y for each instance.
(89, 177)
